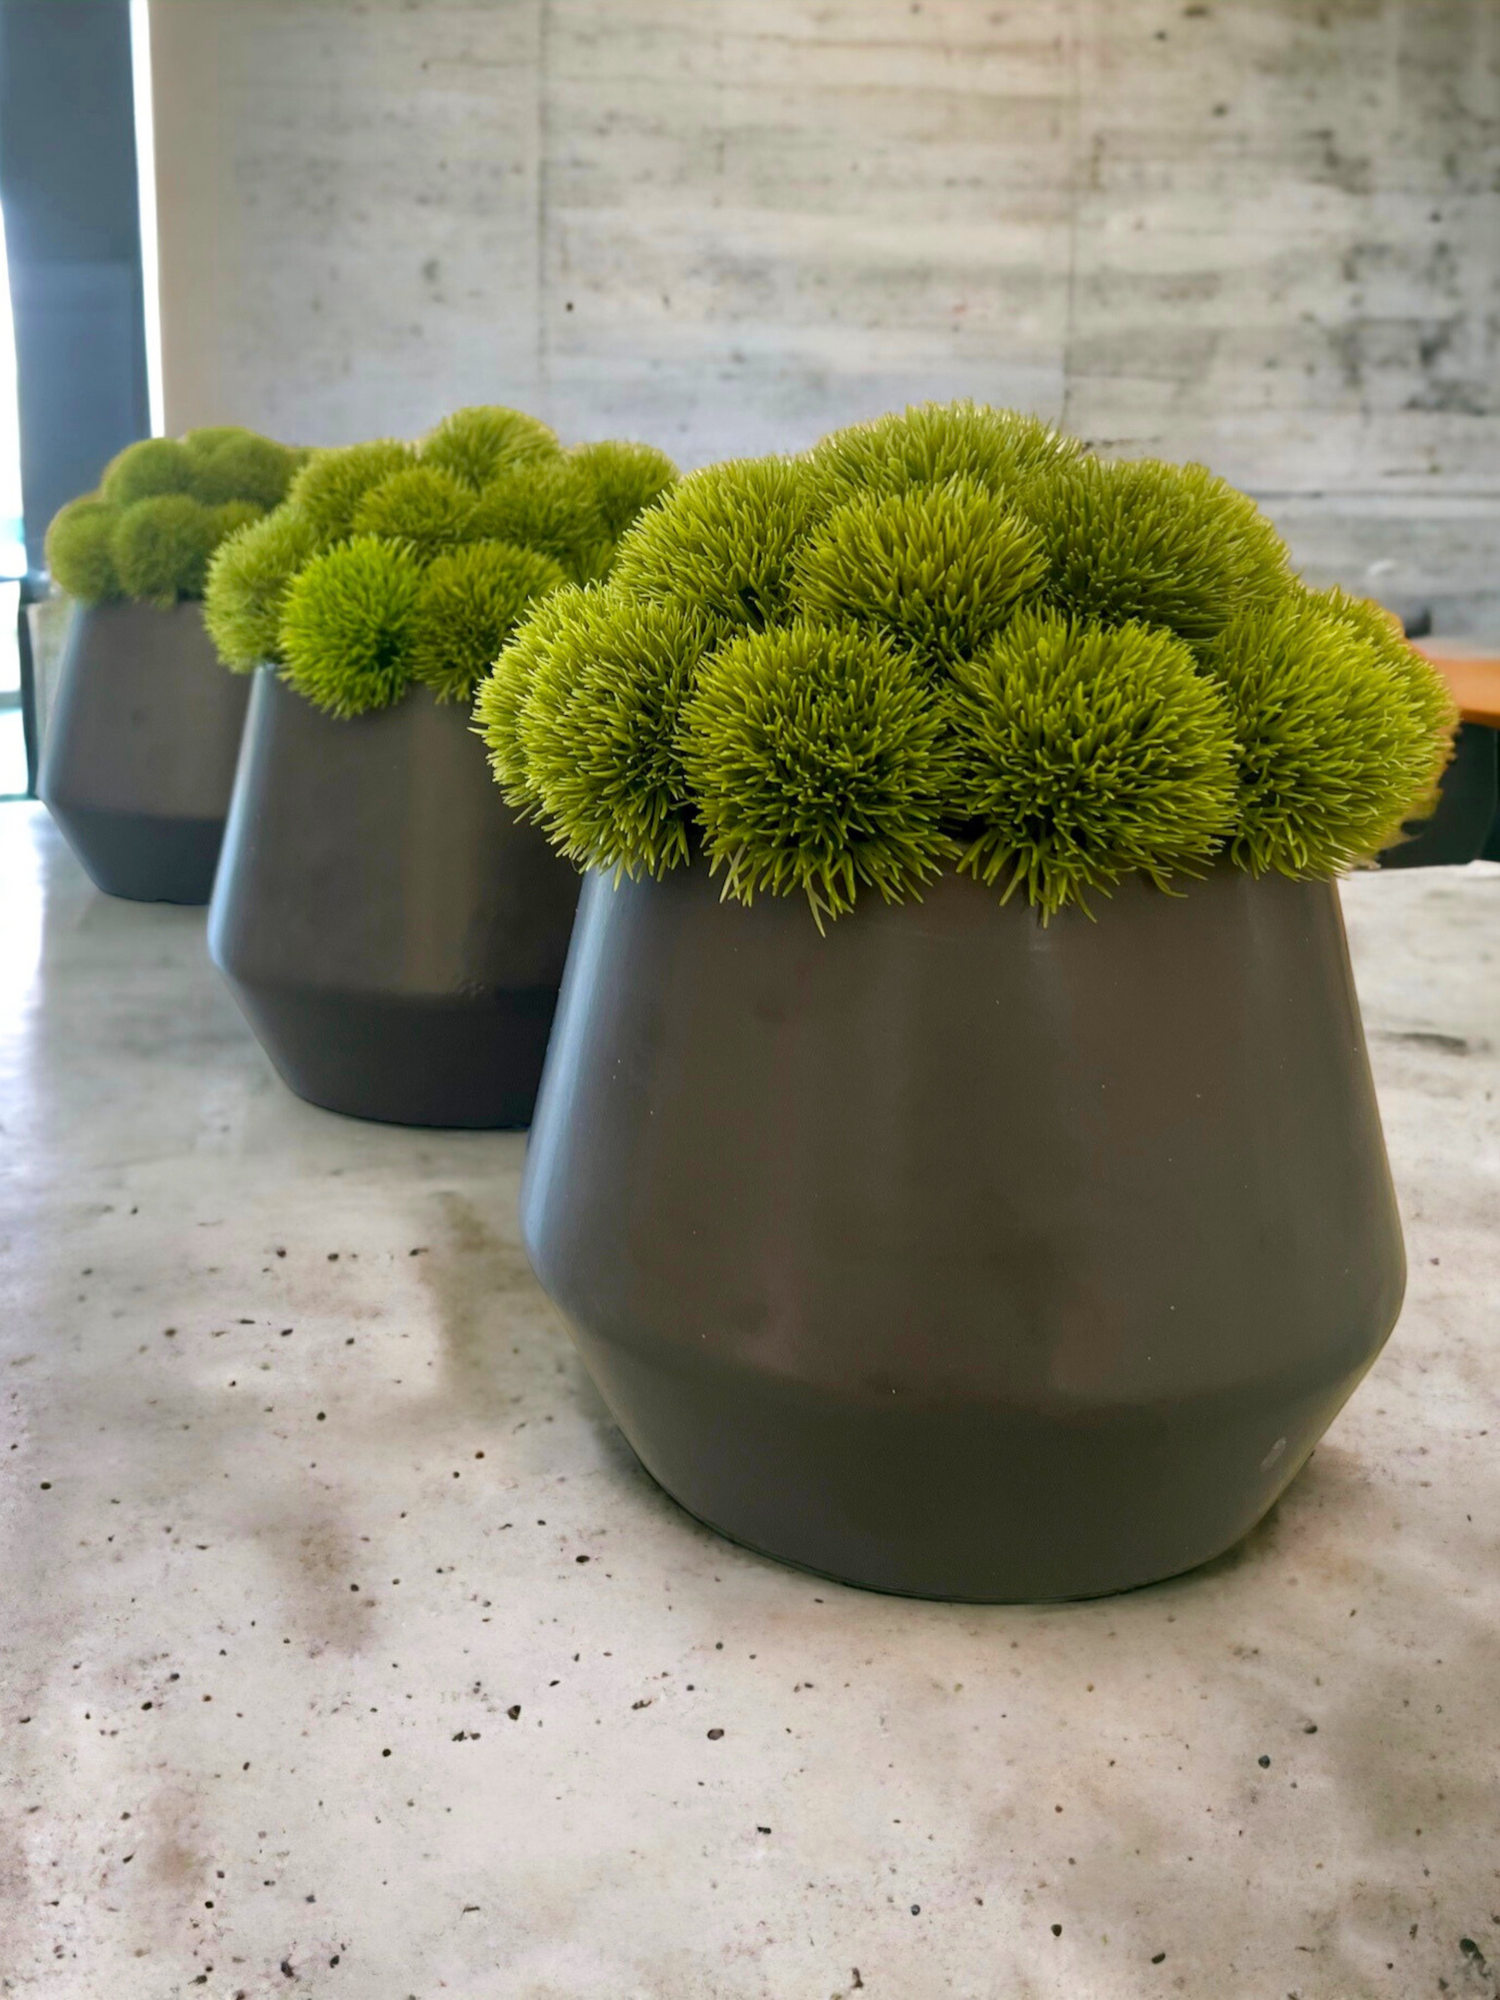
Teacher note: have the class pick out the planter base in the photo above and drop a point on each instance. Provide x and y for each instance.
(141, 856)
(1015, 1506)
(405, 1060)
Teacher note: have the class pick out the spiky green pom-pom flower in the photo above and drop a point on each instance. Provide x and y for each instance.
(722, 543)
(331, 485)
(817, 761)
(161, 548)
(597, 724)
(422, 506)
(229, 465)
(229, 516)
(248, 579)
(1169, 545)
(145, 470)
(478, 444)
(1332, 746)
(548, 506)
(78, 554)
(472, 600)
(350, 626)
(504, 694)
(1429, 693)
(930, 443)
(936, 568)
(1088, 752)
(623, 479)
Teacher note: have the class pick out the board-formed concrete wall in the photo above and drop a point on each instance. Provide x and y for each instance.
(1265, 233)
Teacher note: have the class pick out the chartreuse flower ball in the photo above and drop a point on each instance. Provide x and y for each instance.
(956, 639)
(163, 507)
(391, 566)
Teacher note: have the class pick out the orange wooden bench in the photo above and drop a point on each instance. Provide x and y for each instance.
(1473, 676)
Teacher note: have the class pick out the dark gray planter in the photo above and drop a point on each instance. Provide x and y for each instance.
(1465, 815)
(957, 1256)
(394, 937)
(139, 755)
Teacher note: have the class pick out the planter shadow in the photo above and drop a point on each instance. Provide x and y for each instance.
(392, 935)
(958, 1256)
(139, 755)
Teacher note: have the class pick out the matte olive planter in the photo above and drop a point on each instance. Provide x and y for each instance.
(139, 756)
(955, 1255)
(393, 936)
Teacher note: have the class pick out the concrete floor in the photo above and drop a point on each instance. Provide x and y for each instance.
(346, 1652)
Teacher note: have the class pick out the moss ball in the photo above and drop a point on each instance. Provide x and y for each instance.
(722, 543)
(1087, 752)
(248, 579)
(229, 465)
(623, 480)
(936, 568)
(478, 444)
(146, 470)
(504, 693)
(1337, 740)
(928, 444)
(423, 507)
(817, 762)
(350, 626)
(329, 488)
(549, 506)
(78, 550)
(1169, 545)
(472, 600)
(161, 548)
(600, 715)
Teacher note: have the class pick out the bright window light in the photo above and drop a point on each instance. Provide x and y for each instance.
(145, 161)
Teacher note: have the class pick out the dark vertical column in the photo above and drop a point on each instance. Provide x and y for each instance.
(68, 183)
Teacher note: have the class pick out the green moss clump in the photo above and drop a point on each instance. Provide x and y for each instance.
(604, 683)
(931, 443)
(472, 600)
(165, 504)
(238, 465)
(248, 580)
(78, 551)
(953, 638)
(1088, 752)
(1337, 740)
(936, 568)
(623, 479)
(722, 544)
(161, 548)
(817, 761)
(423, 507)
(350, 626)
(328, 489)
(1169, 545)
(477, 445)
(145, 470)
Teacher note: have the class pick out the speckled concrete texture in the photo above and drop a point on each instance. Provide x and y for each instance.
(347, 1653)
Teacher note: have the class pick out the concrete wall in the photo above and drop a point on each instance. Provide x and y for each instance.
(1261, 232)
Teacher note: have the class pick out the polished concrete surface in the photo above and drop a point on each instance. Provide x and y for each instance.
(347, 1652)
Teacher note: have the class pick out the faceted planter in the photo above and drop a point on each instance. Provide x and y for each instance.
(139, 756)
(955, 1255)
(393, 936)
